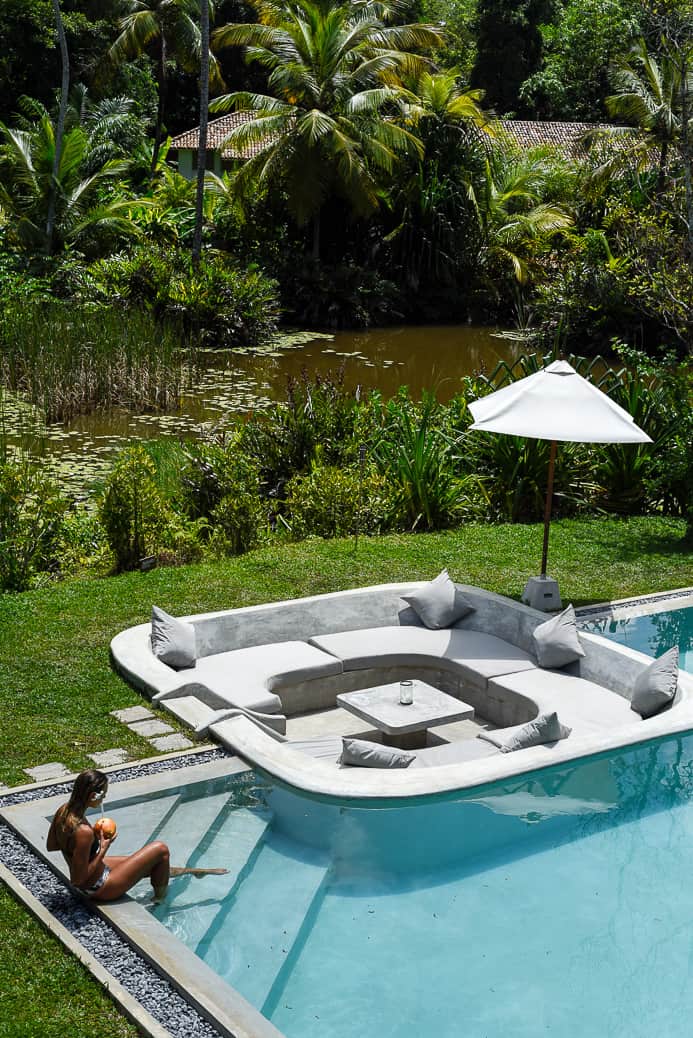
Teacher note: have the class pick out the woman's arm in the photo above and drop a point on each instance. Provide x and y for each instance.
(52, 840)
(84, 872)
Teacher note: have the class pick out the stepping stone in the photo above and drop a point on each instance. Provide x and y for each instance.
(47, 771)
(168, 743)
(132, 713)
(107, 758)
(149, 728)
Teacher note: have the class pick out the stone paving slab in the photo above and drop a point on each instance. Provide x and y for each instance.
(150, 728)
(132, 713)
(107, 758)
(171, 742)
(4, 788)
(47, 771)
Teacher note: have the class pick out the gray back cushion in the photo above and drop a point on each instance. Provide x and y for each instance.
(363, 754)
(655, 688)
(440, 603)
(544, 728)
(556, 642)
(173, 640)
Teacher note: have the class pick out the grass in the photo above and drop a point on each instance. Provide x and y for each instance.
(44, 992)
(56, 684)
(57, 688)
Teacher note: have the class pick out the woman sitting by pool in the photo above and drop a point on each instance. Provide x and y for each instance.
(106, 878)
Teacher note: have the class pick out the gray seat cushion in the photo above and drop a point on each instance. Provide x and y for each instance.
(250, 677)
(581, 704)
(440, 603)
(475, 656)
(453, 753)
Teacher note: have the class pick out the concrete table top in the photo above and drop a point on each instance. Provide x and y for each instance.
(381, 707)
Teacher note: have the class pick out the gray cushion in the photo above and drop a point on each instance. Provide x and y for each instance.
(173, 640)
(472, 655)
(440, 603)
(251, 677)
(363, 754)
(556, 642)
(655, 688)
(544, 728)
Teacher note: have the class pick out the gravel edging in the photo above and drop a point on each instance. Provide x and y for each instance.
(96, 936)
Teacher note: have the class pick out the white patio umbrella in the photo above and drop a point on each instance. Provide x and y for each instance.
(555, 404)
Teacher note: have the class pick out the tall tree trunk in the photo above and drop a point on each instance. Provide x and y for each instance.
(316, 237)
(204, 116)
(60, 128)
(162, 83)
(686, 151)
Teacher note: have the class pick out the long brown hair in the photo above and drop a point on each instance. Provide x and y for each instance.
(71, 814)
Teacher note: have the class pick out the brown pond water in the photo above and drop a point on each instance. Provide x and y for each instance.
(237, 381)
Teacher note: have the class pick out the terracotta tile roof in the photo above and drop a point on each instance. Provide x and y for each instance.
(568, 138)
(217, 132)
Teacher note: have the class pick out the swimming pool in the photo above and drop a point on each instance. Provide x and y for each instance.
(653, 629)
(554, 904)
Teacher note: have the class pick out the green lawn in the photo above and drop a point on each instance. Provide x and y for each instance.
(57, 688)
(44, 991)
(56, 684)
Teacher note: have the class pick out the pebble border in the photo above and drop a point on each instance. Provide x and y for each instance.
(159, 998)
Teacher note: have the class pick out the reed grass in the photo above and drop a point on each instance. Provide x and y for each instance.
(71, 360)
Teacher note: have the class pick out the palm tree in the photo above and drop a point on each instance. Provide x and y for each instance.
(512, 218)
(434, 239)
(327, 124)
(65, 86)
(649, 95)
(204, 117)
(28, 185)
(169, 26)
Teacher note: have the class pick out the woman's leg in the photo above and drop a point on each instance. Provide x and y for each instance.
(152, 861)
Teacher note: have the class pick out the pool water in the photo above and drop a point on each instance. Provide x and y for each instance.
(557, 904)
(653, 634)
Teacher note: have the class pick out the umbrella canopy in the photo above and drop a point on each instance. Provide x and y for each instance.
(555, 404)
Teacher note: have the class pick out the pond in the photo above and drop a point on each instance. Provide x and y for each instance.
(233, 382)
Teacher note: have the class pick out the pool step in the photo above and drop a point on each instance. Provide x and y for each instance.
(192, 712)
(265, 917)
(194, 904)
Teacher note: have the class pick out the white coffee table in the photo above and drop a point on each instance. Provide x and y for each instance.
(405, 726)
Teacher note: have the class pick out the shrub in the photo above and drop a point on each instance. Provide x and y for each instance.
(334, 502)
(319, 415)
(132, 509)
(215, 305)
(221, 487)
(317, 295)
(417, 457)
(31, 512)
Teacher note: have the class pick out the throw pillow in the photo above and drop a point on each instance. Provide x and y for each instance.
(556, 642)
(440, 603)
(363, 754)
(655, 688)
(544, 728)
(173, 640)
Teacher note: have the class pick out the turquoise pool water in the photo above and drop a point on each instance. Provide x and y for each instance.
(652, 634)
(559, 905)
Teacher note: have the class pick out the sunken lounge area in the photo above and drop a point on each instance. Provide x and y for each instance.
(308, 690)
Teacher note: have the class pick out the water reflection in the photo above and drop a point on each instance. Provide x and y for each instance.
(652, 634)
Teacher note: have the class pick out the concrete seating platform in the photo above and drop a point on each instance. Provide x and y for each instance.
(258, 665)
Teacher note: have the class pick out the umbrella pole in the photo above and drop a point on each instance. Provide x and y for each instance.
(547, 508)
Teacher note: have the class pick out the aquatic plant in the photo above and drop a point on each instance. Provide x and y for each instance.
(71, 360)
